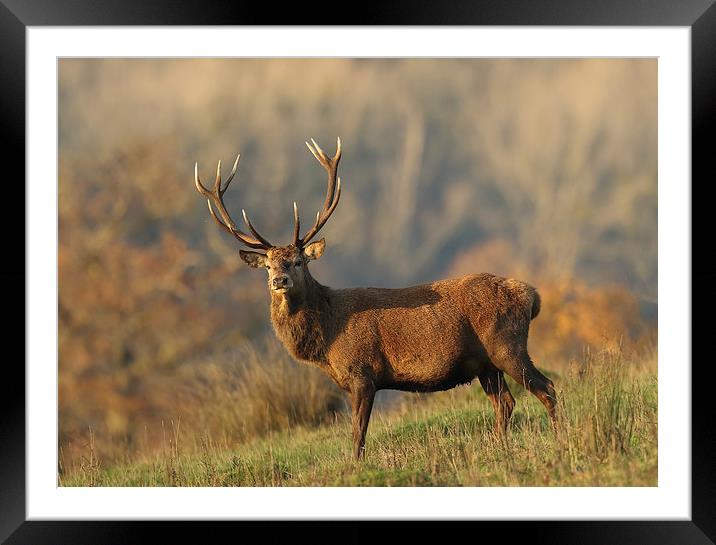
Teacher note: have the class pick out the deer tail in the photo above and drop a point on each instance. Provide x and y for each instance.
(536, 304)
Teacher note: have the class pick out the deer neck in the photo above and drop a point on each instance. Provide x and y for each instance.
(299, 320)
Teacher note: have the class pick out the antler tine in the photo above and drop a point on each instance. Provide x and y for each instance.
(221, 223)
(197, 182)
(231, 176)
(217, 180)
(226, 223)
(321, 156)
(296, 225)
(332, 168)
(337, 156)
(216, 196)
(324, 157)
(322, 218)
(314, 152)
(254, 231)
(332, 192)
(329, 205)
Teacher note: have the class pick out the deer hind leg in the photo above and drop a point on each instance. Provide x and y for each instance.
(362, 393)
(493, 382)
(523, 371)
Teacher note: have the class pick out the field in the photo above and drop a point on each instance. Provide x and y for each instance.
(607, 437)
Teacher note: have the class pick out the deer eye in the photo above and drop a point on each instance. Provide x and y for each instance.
(268, 267)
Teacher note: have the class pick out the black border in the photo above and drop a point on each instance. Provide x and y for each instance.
(16, 15)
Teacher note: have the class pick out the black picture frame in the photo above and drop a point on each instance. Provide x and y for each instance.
(16, 15)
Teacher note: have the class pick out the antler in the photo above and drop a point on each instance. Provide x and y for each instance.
(333, 193)
(217, 197)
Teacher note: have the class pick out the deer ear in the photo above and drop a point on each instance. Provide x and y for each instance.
(253, 259)
(315, 249)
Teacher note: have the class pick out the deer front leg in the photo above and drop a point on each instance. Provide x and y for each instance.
(362, 393)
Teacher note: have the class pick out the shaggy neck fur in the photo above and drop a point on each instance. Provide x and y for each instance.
(300, 320)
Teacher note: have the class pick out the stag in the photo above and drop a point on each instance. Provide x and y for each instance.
(422, 338)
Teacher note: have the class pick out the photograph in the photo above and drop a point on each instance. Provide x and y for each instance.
(357, 272)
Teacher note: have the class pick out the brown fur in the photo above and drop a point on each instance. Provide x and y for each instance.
(422, 338)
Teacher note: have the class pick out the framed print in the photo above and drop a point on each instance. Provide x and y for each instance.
(484, 152)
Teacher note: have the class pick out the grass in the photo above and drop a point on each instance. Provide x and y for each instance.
(607, 437)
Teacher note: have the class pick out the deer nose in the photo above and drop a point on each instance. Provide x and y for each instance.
(280, 282)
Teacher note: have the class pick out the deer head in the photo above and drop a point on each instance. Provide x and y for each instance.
(287, 266)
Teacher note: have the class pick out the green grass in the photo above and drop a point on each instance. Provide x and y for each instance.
(607, 437)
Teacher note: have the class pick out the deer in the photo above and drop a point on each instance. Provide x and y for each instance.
(423, 338)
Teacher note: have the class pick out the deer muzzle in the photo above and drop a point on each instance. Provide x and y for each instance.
(281, 283)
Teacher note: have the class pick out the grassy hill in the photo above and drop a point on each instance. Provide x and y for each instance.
(607, 437)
